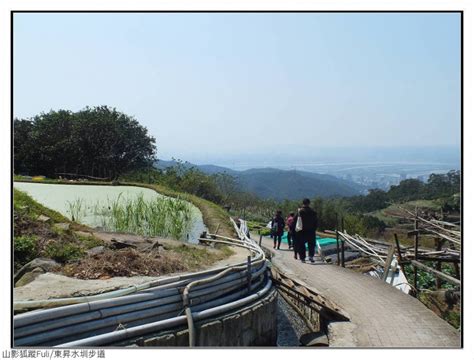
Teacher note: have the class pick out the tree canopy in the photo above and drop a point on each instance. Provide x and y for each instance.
(97, 142)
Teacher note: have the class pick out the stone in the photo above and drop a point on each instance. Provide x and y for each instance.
(43, 263)
(95, 250)
(43, 218)
(121, 244)
(29, 277)
(62, 226)
(314, 339)
(83, 233)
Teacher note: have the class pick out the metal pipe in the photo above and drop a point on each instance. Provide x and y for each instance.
(197, 297)
(169, 323)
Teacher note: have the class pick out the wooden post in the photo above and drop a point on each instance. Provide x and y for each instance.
(415, 270)
(260, 241)
(455, 265)
(439, 245)
(337, 242)
(343, 260)
(249, 273)
(400, 259)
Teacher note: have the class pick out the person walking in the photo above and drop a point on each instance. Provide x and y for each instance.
(307, 233)
(291, 223)
(290, 220)
(278, 225)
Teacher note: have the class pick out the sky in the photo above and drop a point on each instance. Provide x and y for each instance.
(206, 84)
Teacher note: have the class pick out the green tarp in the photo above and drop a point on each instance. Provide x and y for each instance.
(319, 240)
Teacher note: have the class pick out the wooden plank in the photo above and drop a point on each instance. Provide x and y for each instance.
(296, 295)
(400, 258)
(331, 310)
(439, 274)
(415, 271)
(287, 297)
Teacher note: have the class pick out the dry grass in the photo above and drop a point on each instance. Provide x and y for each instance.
(130, 262)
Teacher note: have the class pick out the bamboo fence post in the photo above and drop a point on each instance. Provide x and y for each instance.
(337, 242)
(249, 273)
(400, 258)
(415, 270)
(343, 244)
(439, 244)
(455, 265)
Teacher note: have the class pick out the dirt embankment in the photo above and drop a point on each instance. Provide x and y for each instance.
(41, 232)
(140, 260)
(90, 261)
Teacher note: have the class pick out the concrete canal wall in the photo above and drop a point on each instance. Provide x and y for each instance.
(253, 325)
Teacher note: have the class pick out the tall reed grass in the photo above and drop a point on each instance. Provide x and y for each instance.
(165, 217)
(76, 209)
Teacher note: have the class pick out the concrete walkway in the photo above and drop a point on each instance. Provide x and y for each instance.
(381, 316)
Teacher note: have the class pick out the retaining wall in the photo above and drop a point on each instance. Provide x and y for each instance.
(253, 325)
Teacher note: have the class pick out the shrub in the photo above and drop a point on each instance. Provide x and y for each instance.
(63, 252)
(25, 248)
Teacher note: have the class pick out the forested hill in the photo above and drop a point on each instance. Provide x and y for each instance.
(292, 184)
(280, 184)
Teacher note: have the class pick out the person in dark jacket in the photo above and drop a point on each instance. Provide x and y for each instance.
(278, 225)
(307, 235)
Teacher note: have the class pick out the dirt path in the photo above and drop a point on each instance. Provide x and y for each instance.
(49, 286)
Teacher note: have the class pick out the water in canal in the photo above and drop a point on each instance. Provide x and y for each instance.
(290, 325)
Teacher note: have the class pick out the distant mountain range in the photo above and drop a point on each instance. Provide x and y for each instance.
(281, 184)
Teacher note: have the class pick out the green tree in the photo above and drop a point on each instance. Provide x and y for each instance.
(407, 190)
(96, 142)
(22, 146)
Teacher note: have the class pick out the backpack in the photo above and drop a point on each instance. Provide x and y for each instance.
(275, 227)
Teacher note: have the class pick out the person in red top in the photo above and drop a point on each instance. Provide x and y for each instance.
(290, 223)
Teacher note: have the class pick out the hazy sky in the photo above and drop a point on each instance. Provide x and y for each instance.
(208, 83)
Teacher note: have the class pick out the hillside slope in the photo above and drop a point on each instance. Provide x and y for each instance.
(280, 184)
